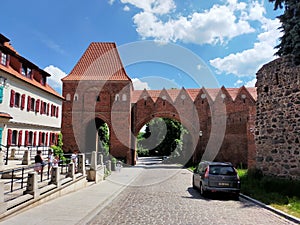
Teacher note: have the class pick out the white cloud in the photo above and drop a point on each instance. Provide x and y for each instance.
(238, 83)
(56, 75)
(247, 62)
(126, 8)
(208, 26)
(139, 85)
(251, 83)
(152, 6)
(111, 2)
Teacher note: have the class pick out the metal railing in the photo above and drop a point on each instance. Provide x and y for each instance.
(15, 180)
(12, 150)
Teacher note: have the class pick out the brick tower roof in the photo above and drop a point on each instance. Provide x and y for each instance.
(101, 61)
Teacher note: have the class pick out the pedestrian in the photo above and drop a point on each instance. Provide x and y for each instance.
(50, 160)
(39, 162)
(56, 161)
(74, 159)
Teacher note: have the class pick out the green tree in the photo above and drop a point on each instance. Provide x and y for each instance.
(58, 149)
(170, 140)
(290, 27)
(103, 133)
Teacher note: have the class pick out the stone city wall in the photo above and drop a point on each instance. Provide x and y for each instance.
(277, 130)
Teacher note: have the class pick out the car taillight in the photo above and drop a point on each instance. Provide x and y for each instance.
(206, 173)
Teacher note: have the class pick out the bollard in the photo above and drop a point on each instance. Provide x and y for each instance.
(12, 154)
(26, 158)
(32, 185)
(93, 165)
(55, 176)
(3, 205)
(1, 159)
(101, 159)
(71, 171)
(81, 164)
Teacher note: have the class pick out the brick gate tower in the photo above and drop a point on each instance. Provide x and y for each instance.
(97, 89)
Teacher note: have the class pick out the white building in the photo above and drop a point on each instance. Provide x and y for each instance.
(30, 110)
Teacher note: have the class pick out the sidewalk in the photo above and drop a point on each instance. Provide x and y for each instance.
(77, 207)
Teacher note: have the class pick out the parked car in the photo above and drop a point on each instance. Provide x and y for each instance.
(216, 177)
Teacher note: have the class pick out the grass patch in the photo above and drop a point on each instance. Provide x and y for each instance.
(279, 193)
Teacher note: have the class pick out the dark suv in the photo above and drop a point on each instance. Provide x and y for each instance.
(216, 177)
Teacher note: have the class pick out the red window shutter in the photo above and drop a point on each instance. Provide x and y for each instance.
(56, 138)
(28, 103)
(40, 138)
(48, 109)
(57, 111)
(34, 139)
(42, 107)
(9, 137)
(26, 137)
(37, 105)
(50, 139)
(12, 98)
(22, 101)
(46, 139)
(20, 138)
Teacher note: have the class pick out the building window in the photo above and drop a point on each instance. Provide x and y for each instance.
(3, 58)
(43, 81)
(17, 100)
(68, 97)
(26, 71)
(32, 104)
(30, 138)
(44, 108)
(75, 97)
(124, 97)
(14, 137)
(117, 97)
(98, 98)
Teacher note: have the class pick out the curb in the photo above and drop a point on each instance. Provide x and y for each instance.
(270, 208)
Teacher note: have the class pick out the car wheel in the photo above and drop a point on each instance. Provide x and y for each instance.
(202, 191)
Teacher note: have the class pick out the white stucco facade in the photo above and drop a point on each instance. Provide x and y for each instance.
(30, 110)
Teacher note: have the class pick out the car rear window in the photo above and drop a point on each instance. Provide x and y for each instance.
(222, 170)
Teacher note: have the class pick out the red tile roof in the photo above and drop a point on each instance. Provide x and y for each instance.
(5, 115)
(193, 93)
(16, 74)
(33, 82)
(101, 61)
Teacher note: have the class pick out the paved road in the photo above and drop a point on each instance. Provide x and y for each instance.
(162, 194)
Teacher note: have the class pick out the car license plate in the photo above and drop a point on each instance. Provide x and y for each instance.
(223, 184)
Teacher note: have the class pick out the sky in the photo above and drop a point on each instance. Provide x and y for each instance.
(231, 39)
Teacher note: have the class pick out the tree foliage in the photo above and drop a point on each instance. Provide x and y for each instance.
(103, 134)
(170, 140)
(58, 149)
(290, 27)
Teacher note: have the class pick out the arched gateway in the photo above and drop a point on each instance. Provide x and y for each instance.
(98, 90)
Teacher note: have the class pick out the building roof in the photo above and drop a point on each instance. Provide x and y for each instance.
(33, 82)
(5, 115)
(101, 61)
(6, 45)
(193, 93)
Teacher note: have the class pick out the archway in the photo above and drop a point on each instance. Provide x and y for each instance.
(167, 138)
(97, 137)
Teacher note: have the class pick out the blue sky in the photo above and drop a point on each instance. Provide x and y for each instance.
(232, 38)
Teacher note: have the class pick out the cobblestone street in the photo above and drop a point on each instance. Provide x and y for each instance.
(162, 194)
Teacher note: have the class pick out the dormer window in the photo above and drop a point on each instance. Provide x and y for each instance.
(43, 81)
(26, 71)
(3, 58)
